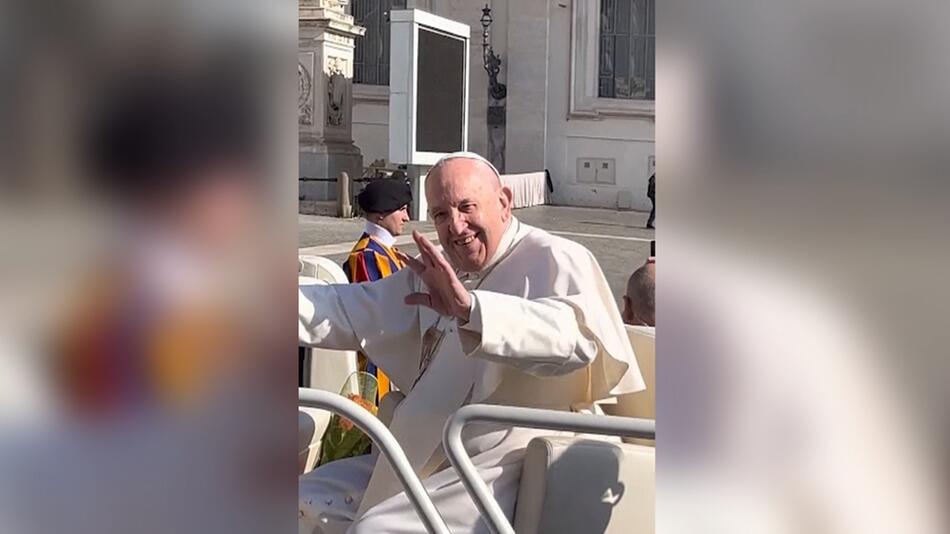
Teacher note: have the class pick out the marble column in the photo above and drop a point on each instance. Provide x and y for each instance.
(326, 40)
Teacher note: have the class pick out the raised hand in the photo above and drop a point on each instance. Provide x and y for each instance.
(446, 294)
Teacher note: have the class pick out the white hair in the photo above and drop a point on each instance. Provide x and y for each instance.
(464, 155)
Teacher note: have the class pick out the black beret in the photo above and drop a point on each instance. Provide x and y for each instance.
(384, 196)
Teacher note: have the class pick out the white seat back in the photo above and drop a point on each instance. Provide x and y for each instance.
(573, 485)
(329, 369)
(321, 268)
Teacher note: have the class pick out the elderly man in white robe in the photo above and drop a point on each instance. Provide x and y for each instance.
(506, 314)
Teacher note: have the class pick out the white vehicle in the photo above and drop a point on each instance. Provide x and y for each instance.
(618, 478)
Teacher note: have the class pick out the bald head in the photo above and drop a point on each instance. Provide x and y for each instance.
(640, 299)
(467, 164)
(470, 208)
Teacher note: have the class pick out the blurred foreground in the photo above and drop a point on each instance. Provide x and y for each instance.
(802, 348)
(147, 218)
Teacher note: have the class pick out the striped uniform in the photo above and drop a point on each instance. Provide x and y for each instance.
(369, 261)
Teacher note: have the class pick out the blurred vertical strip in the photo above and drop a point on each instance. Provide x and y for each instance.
(148, 206)
(802, 361)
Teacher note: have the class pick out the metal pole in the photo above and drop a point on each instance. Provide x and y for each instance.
(388, 446)
(528, 418)
(417, 178)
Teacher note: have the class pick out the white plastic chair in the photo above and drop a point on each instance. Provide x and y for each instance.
(328, 369)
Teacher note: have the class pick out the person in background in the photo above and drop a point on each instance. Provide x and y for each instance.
(384, 205)
(651, 194)
(639, 303)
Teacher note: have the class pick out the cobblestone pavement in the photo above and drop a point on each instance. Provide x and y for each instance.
(617, 239)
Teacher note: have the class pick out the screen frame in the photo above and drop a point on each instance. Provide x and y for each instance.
(403, 88)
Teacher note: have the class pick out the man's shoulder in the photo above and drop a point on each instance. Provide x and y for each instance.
(542, 238)
(539, 241)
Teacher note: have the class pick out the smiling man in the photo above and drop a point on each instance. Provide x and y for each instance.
(510, 314)
(470, 209)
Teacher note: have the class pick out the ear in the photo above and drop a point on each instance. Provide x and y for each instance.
(626, 314)
(505, 197)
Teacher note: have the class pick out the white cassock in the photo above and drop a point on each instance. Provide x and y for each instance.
(544, 332)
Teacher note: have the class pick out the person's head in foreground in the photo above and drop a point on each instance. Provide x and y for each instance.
(385, 203)
(639, 303)
(180, 154)
(470, 208)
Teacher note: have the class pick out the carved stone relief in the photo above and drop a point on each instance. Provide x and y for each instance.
(337, 5)
(337, 39)
(336, 96)
(336, 68)
(336, 64)
(304, 95)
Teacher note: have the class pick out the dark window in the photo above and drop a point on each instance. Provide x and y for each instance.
(627, 50)
(371, 56)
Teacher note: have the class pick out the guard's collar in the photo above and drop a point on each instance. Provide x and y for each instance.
(380, 234)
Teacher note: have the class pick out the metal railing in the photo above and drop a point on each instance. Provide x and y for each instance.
(527, 418)
(455, 449)
(388, 447)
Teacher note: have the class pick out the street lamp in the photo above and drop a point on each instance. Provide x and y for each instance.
(492, 62)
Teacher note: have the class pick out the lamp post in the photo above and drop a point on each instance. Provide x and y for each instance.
(491, 61)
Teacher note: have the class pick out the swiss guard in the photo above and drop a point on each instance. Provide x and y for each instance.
(384, 204)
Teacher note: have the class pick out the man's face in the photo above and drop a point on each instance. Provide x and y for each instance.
(470, 210)
(218, 210)
(394, 221)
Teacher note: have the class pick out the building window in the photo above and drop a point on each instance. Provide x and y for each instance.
(371, 57)
(627, 50)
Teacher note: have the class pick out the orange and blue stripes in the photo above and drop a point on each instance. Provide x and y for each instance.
(369, 261)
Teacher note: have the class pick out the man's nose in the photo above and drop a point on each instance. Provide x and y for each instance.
(457, 224)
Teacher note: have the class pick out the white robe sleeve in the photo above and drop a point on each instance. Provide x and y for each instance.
(370, 317)
(541, 336)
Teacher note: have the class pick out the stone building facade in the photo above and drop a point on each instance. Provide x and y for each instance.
(580, 91)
